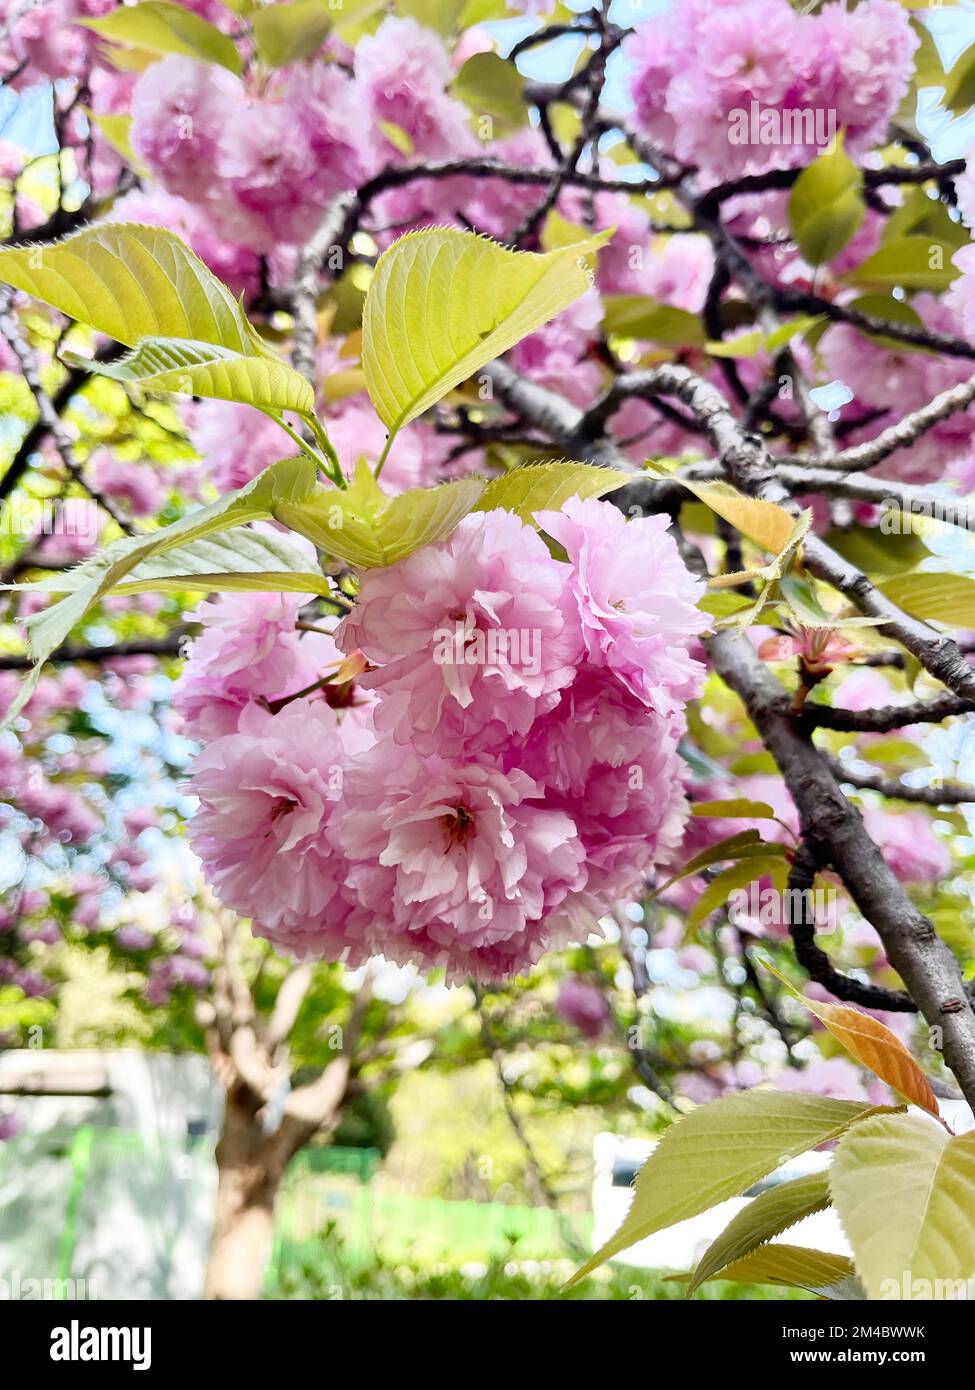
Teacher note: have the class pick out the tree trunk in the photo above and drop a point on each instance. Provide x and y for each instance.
(249, 1172)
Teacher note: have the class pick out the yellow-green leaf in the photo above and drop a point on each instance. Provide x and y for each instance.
(293, 32)
(733, 809)
(442, 303)
(781, 336)
(826, 205)
(943, 598)
(443, 16)
(767, 1215)
(636, 316)
(718, 1151)
(557, 231)
(913, 262)
(289, 480)
(156, 26)
(548, 486)
(741, 345)
(905, 1193)
(205, 369)
(239, 559)
(796, 1267)
(399, 138)
(721, 887)
(747, 844)
(920, 215)
(960, 84)
(115, 128)
(425, 515)
(132, 282)
(491, 86)
(355, 526)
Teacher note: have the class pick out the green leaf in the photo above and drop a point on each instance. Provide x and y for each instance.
(944, 598)
(797, 1267)
(239, 559)
(875, 553)
(792, 328)
(920, 215)
(115, 129)
(826, 206)
(912, 262)
(205, 369)
(719, 1150)
(803, 602)
(960, 84)
(291, 33)
(490, 86)
(158, 27)
(443, 16)
(132, 282)
(767, 1215)
(905, 1193)
(742, 345)
(539, 487)
(636, 316)
(83, 586)
(747, 844)
(369, 531)
(732, 809)
(399, 138)
(442, 303)
(719, 890)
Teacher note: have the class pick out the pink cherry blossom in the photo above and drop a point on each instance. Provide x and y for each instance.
(454, 864)
(472, 635)
(263, 830)
(580, 1003)
(403, 69)
(248, 650)
(635, 599)
(180, 109)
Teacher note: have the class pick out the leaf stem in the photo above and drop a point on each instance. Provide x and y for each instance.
(385, 453)
(327, 448)
(303, 444)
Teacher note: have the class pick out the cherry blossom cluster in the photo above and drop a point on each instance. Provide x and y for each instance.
(715, 81)
(503, 771)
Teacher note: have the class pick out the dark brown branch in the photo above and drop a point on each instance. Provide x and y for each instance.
(885, 720)
(814, 959)
(944, 794)
(777, 179)
(72, 653)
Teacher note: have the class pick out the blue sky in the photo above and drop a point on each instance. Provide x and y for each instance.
(25, 117)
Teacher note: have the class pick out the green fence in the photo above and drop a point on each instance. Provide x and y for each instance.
(133, 1214)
